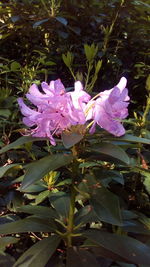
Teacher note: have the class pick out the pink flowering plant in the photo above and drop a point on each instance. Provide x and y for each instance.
(57, 110)
(69, 188)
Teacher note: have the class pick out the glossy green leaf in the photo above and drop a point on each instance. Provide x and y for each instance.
(107, 176)
(106, 206)
(39, 254)
(30, 224)
(41, 211)
(85, 215)
(21, 141)
(134, 226)
(42, 196)
(70, 139)
(132, 139)
(129, 248)
(111, 152)
(61, 202)
(40, 168)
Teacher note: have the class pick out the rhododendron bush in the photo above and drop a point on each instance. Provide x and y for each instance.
(74, 133)
(75, 158)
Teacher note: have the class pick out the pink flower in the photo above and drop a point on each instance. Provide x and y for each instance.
(110, 108)
(55, 109)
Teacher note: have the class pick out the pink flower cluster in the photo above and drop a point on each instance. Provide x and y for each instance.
(57, 110)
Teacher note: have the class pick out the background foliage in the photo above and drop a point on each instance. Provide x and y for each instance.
(96, 42)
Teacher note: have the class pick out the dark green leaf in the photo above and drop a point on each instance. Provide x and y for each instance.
(40, 168)
(135, 227)
(132, 139)
(111, 152)
(42, 196)
(8, 218)
(106, 206)
(129, 248)
(30, 224)
(108, 176)
(39, 254)
(21, 141)
(60, 201)
(4, 169)
(40, 211)
(85, 215)
(70, 139)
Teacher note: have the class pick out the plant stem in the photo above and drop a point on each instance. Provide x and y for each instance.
(146, 110)
(107, 36)
(70, 225)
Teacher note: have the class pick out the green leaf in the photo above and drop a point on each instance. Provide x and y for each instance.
(135, 227)
(39, 254)
(21, 141)
(5, 241)
(89, 164)
(108, 176)
(68, 59)
(147, 180)
(129, 248)
(42, 196)
(106, 206)
(5, 113)
(61, 202)
(4, 169)
(64, 182)
(148, 83)
(98, 66)
(8, 218)
(70, 139)
(132, 139)
(85, 215)
(40, 168)
(40, 211)
(29, 224)
(15, 66)
(111, 152)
